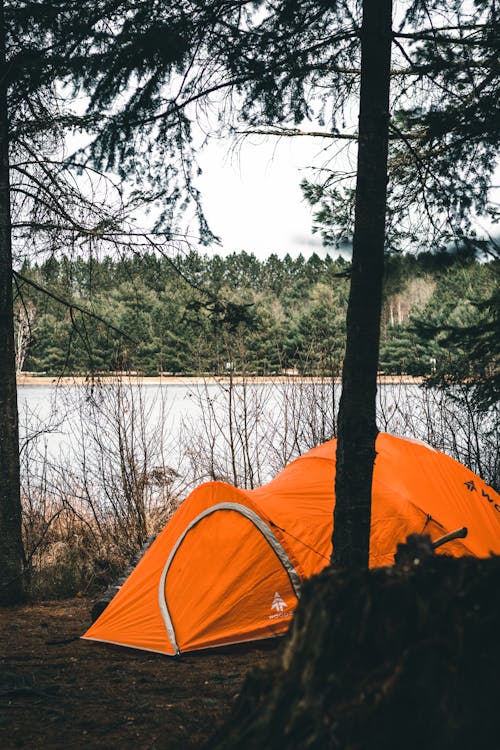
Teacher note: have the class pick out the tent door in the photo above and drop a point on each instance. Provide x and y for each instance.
(227, 580)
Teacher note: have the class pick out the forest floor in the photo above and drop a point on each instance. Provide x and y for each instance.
(86, 695)
(400, 656)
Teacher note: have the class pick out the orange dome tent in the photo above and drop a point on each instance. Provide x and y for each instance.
(228, 566)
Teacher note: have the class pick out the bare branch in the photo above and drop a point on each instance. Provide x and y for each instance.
(72, 307)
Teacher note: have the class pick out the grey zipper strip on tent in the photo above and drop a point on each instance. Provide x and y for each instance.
(266, 533)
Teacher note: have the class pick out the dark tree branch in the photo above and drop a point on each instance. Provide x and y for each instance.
(71, 306)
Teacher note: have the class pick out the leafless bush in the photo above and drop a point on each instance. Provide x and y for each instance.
(121, 447)
(124, 466)
(306, 415)
(245, 432)
(90, 509)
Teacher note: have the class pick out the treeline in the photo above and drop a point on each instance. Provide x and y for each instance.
(206, 314)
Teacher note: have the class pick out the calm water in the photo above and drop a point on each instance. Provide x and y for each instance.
(58, 417)
(244, 435)
(55, 415)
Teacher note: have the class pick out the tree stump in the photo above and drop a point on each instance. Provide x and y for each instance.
(405, 656)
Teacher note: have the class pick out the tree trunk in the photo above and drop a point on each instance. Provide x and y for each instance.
(357, 428)
(299, 702)
(11, 547)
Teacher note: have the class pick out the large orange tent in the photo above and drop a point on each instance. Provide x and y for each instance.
(228, 566)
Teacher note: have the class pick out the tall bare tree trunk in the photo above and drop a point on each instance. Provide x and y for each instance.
(357, 412)
(11, 548)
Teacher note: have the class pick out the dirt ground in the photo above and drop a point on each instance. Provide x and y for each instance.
(87, 695)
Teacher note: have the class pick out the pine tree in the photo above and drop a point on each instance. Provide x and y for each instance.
(43, 210)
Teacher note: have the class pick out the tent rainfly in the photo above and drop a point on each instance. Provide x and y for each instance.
(228, 566)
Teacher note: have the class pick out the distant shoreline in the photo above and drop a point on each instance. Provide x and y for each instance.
(45, 380)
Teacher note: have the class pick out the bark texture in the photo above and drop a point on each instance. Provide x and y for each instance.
(11, 547)
(357, 429)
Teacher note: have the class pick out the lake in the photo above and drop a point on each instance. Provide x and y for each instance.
(243, 434)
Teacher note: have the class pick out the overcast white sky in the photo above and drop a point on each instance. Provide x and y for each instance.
(252, 196)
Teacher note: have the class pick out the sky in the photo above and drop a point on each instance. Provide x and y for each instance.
(252, 197)
(251, 193)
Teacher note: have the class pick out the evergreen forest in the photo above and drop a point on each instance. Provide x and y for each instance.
(207, 314)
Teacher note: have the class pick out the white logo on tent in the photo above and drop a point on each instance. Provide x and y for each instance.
(278, 603)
